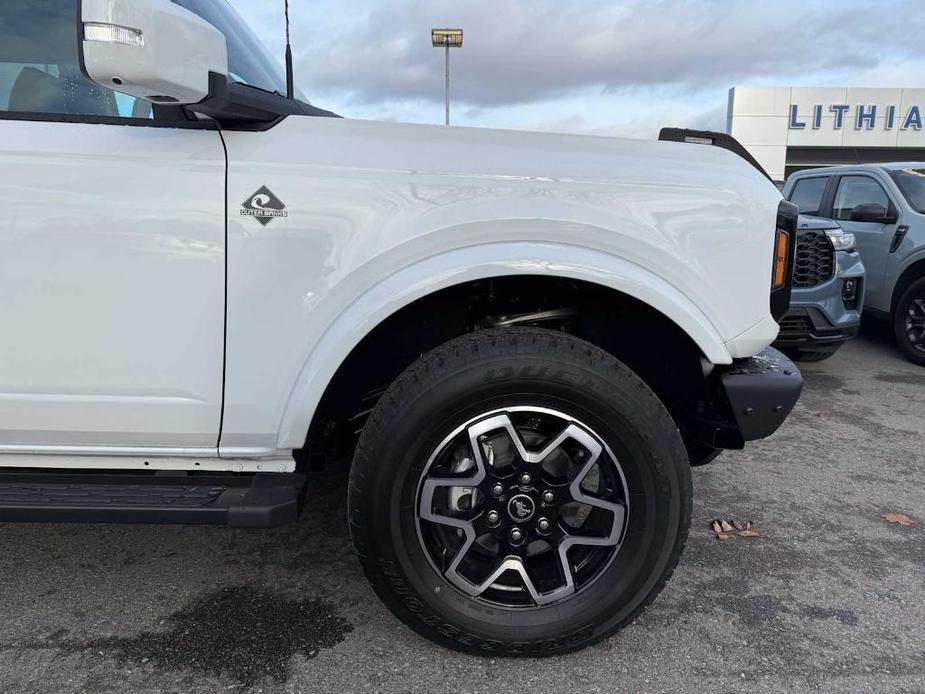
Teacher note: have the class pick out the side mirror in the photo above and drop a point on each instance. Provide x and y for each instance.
(872, 212)
(151, 49)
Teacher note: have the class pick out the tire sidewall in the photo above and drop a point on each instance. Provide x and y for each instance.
(916, 289)
(620, 409)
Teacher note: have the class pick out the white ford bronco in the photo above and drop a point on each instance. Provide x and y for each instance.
(520, 343)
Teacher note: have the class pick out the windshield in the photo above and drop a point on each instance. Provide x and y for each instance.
(912, 184)
(248, 61)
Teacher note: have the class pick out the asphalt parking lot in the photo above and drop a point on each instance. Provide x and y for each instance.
(830, 598)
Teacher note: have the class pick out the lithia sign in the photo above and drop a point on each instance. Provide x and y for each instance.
(863, 117)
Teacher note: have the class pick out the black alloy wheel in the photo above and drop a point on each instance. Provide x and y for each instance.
(507, 495)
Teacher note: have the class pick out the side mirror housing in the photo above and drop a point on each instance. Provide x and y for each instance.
(151, 49)
(873, 212)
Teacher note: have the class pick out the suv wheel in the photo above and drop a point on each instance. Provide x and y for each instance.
(807, 356)
(519, 491)
(909, 322)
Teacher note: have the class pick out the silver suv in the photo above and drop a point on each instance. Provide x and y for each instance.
(883, 205)
(828, 292)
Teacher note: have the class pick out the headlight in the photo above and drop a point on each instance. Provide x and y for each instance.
(841, 239)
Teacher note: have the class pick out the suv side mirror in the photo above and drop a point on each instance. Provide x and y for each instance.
(151, 49)
(873, 212)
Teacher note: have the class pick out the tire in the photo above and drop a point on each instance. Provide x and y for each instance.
(539, 382)
(811, 356)
(909, 322)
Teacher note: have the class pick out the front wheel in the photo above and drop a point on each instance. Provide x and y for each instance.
(909, 322)
(798, 355)
(519, 491)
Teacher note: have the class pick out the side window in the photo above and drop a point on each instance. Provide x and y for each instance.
(857, 190)
(807, 194)
(39, 69)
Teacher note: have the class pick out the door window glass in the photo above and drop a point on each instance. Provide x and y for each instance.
(249, 62)
(911, 183)
(857, 190)
(807, 194)
(39, 69)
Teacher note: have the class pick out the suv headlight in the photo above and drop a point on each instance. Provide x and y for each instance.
(841, 239)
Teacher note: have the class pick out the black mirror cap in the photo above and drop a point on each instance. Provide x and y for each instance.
(242, 107)
(874, 213)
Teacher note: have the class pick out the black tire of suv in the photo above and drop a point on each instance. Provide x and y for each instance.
(811, 356)
(487, 371)
(915, 291)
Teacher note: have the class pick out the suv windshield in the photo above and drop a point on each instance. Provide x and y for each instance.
(248, 61)
(912, 184)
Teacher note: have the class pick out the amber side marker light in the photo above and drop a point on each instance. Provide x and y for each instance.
(779, 272)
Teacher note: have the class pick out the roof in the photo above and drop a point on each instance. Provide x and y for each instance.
(901, 165)
(889, 166)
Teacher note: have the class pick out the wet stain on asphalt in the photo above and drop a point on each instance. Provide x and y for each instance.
(848, 617)
(733, 595)
(910, 549)
(902, 378)
(239, 631)
(753, 609)
(733, 585)
(825, 383)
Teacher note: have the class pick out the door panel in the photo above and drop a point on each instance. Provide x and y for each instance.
(112, 273)
(873, 239)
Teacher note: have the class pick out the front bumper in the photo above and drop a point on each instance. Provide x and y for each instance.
(807, 328)
(750, 400)
(762, 392)
(818, 319)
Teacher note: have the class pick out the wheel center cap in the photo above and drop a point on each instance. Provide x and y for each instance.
(521, 508)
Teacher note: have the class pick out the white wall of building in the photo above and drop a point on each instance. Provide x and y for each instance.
(763, 120)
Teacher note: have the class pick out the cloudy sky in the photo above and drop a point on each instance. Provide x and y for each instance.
(603, 66)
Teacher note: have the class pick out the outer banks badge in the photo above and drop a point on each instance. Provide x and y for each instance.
(264, 206)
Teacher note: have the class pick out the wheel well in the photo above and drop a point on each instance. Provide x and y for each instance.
(651, 344)
(910, 275)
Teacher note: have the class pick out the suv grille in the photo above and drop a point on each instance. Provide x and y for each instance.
(815, 259)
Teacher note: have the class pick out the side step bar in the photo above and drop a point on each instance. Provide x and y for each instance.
(262, 500)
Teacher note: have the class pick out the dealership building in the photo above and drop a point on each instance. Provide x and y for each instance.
(791, 128)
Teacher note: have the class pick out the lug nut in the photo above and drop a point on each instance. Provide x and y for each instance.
(525, 478)
(497, 489)
(549, 497)
(543, 525)
(517, 536)
(493, 518)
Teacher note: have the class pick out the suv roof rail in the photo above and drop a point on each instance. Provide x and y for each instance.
(709, 137)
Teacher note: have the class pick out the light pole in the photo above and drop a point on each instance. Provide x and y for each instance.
(447, 39)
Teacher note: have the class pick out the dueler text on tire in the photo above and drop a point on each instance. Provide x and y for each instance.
(909, 322)
(519, 491)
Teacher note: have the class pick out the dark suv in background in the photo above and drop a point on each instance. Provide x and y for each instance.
(883, 205)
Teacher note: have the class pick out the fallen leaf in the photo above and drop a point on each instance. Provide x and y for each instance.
(727, 528)
(900, 518)
(722, 536)
(737, 525)
(748, 532)
(717, 528)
